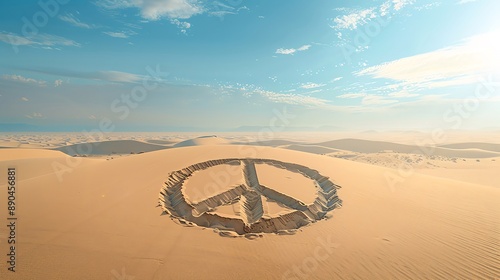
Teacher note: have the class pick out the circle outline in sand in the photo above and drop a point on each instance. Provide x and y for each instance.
(252, 222)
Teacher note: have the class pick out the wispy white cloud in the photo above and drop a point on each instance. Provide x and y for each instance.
(14, 39)
(21, 79)
(221, 13)
(428, 6)
(311, 85)
(304, 48)
(122, 34)
(292, 99)
(292, 51)
(460, 64)
(385, 8)
(114, 76)
(24, 99)
(183, 25)
(108, 76)
(157, 9)
(43, 40)
(72, 19)
(35, 115)
(153, 10)
(220, 9)
(399, 4)
(286, 51)
(356, 18)
(116, 34)
(457, 81)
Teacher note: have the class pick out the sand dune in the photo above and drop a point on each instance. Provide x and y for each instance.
(16, 154)
(110, 147)
(203, 140)
(20, 145)
(9, 144)
(272, 143)
(161, 142)
(365, 146)
(315, 149)
(482, 146)
(99, 219)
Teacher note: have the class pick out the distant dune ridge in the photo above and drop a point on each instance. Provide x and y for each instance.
(96, 217)
(365, 146)
(127, 146)
(465, 150)
(110, 147)
(204, 140)
(315, 149)
(482, 146)
(161, 142)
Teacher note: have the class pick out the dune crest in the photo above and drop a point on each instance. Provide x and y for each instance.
(203, 140)
(110, 147)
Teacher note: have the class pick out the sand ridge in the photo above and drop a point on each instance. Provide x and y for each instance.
(203, 140)
(110, 147)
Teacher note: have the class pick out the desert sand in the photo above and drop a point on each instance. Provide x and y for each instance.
(233, 206)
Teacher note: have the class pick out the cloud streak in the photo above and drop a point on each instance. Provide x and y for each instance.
(460, 64)
(293, 51)
(43, 40)
(121, 35)
(311, 86)
(25, 80)
(108, 76)
(353, 20)
(291, 99)
(157, 9)
(73, 20)
(356, 18)
(35, 115)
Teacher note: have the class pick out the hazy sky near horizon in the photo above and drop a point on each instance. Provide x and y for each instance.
(166, 64)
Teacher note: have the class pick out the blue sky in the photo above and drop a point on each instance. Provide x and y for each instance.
(217, 65)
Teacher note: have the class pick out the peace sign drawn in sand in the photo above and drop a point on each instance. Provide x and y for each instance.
(249, 196)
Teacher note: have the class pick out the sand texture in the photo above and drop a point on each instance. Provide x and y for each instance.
(226, 208)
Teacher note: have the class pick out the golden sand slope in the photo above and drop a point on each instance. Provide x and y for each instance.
(99, 220)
